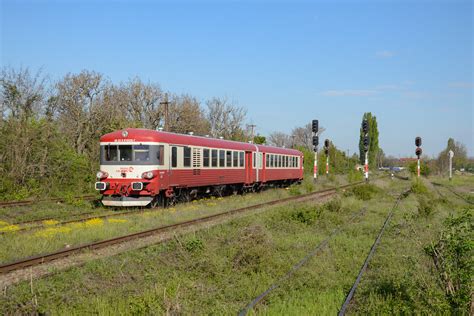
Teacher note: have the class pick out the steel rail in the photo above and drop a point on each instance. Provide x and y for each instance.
(351, 293)
(36, 260)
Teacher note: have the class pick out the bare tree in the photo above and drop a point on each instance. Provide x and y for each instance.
(225, 119)
(303, 136)
(78, 102)
(142, 102)
(22, 94)
(279, 139)
(186, 115)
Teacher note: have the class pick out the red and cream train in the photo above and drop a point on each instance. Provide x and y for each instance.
(141, 167)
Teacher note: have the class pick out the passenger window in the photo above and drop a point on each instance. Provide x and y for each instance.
(266, 160)
(279, 161)
(214, 157)
(205, 155)
(236, 159)
(228, 158)
(222, 158)
(187, 156)
(241, 158)
(254, 159)
(174, 157)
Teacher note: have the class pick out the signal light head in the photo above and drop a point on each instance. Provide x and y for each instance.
(315, 126)
(365, 126)
(326, 143)
(366, 143)
(315, 141)
(418, 152)
(418, 141)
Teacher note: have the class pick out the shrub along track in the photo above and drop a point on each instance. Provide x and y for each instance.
(40, 259)
(318, 248)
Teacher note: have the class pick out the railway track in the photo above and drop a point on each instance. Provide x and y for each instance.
(436, 184)
(40, 259)
(28, 202)
(316, 250)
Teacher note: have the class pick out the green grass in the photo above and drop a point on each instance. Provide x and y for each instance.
(220, 269)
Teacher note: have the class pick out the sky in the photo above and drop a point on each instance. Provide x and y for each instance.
(410, 63)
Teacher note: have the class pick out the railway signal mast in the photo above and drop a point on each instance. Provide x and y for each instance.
(315, 130)
(326, 151)
(418, 152)
(451, 155)
(366, 141)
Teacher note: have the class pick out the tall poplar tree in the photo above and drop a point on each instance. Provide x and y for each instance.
(373, 137)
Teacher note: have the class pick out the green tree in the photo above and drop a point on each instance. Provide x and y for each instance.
(373, 137)
(460, 159)
(260, 140)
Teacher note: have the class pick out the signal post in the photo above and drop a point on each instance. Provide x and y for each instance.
(315, 130)
(366, 141)
(418, 152)
(326, 151)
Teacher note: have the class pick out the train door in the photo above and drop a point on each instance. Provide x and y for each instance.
(173, 159)
(248, 167)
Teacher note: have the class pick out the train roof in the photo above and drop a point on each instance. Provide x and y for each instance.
(147, 135)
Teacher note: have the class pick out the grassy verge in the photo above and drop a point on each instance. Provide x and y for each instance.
(219, 270)
(53, 237)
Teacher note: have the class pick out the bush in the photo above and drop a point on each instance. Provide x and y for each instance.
(294, 190)
(363, 192)
(254, 246)
(424, 169)
(452, 256)
(307, 214)
(354, 176)
(418, 187)
(426, 206)
(333, 205)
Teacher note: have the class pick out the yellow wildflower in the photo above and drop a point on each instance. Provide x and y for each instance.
(94, 222)
(3, 223)
(211, 204)
(9, 228)
(116, 220)
(52, 231)
(50, 222)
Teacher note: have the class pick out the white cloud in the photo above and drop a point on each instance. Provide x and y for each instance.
(463, 85)
(384, 54)
(357, 93)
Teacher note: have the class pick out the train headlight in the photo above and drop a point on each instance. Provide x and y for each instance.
(148, 175)
(102, 175)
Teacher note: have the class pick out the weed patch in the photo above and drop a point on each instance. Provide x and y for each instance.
(363, 192)
(253, 247)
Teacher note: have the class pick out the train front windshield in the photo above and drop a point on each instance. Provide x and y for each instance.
(132, 154)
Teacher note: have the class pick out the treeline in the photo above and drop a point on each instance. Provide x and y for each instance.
(50, 129)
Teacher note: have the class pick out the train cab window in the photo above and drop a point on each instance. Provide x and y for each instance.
(214, 157)
(174, 157)
(160, 155)
(186, 156)
(111, 153)
(235, 156)
(222, 158)
(126, 153)
(228, 157)
(205, 156)
(241, 159)
(141, 152)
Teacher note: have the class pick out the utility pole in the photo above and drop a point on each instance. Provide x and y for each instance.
(165, 104)
(251, 126)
